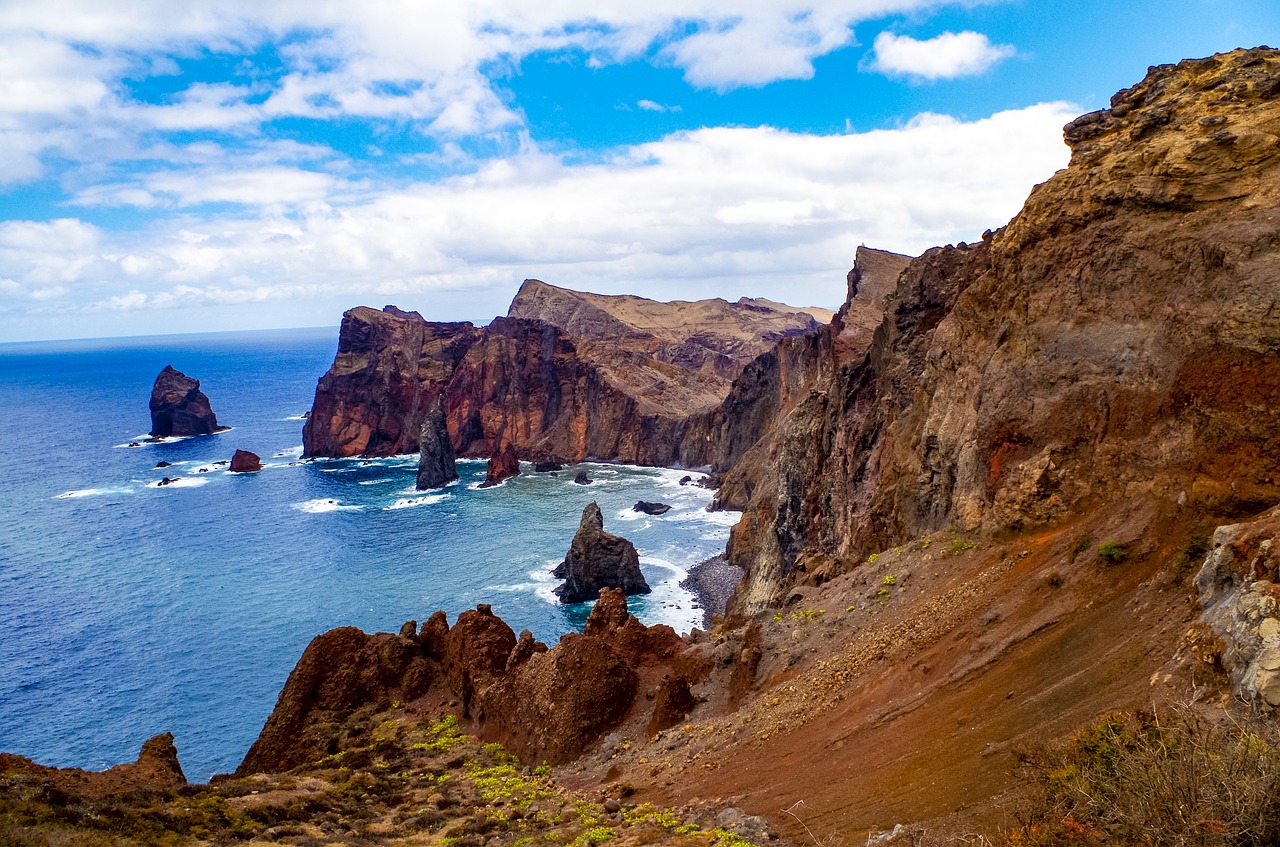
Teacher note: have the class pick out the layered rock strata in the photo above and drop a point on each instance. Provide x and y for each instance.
(597, 560)
(437, 463)
(1116, 340)
(178, 406)
(565, 376)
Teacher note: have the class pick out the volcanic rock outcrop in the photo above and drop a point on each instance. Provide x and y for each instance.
(545, 705)
(156, 769)
(651, 508)
(437, 463)
(565, 376)
(598, 560)
(179, 407)
(243, 461)
(503, 465)
(1118, 339)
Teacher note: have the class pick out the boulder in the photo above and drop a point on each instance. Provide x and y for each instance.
(179, 407)
(504, 465)
(598, 560)
(582, 478)
(437, 463)
(651, 508)
(547, 465)
(245, 462)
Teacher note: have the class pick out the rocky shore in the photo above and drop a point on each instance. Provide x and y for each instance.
(712, 582)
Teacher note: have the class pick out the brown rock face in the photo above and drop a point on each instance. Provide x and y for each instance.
(157, 769)
(566, 376)
(389, 368)
(598, 560)
(179, 407)
(245, 462)
(1116, 340)
(544, 704)
(502, 466)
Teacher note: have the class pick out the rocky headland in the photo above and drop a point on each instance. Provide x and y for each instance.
(565, 376)
(179, 407)
(1014, 491)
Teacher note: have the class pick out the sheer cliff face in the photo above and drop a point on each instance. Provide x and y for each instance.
(566, 375)
(1118, 340)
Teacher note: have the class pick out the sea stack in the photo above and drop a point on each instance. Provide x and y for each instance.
(245, 462)
(504, 465)
(598, 560)
(437, 464)
(179, 407)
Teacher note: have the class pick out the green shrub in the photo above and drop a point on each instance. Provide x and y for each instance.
(1113, 552)
(1083, 543)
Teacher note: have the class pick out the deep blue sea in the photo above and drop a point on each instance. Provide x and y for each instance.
(128, 609)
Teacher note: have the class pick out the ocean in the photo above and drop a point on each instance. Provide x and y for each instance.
(128, 609)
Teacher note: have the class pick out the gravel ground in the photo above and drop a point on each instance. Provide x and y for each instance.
(712, 582)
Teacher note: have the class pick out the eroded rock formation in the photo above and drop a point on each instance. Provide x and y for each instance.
(545, 705)
(1116, 340)
(179, 407)
(598, 560)
(437, 463)
(565, 376)
(156, 769)
(503, 465)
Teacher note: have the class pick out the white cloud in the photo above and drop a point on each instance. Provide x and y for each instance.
(64, 63)
(946, 56)
(716, 212)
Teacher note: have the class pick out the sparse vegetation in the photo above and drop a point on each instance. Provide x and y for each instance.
(1055, 580)
(960, 545)
(1113, 552)
(1188, 557)
(1175, 779)
(1082, 543)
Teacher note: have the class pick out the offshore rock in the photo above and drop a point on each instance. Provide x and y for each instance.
(504, 465)
(245, 462)
(437, 463)
(648, 508)
(598, 560)
(1117, 340)
(179, 407)
(581, 478)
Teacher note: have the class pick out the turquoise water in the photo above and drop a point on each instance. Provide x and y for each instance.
(128, 609)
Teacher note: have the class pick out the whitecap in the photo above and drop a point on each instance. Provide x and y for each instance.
(301, 417)
(178, 482)
(410, 502)
(317, 506)
(89, 492)
(291, 452)
(374, 481)
(722, 517)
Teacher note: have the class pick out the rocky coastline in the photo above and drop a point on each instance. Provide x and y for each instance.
(1010, 486)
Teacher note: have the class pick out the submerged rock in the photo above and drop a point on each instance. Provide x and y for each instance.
(598, 560)
(504, 465)
(437, 464)
(179, 407)
(245, 462)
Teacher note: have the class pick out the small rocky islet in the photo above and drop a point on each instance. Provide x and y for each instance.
(1008, 487)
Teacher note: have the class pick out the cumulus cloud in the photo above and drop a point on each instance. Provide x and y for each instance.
(714, 212)
(946, 56)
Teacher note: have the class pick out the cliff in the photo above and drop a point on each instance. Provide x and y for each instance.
(1117, 341)
(565, 376)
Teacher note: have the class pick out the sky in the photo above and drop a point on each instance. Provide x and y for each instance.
(172, 166)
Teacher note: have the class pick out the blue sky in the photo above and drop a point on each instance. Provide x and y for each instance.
(196, 166)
